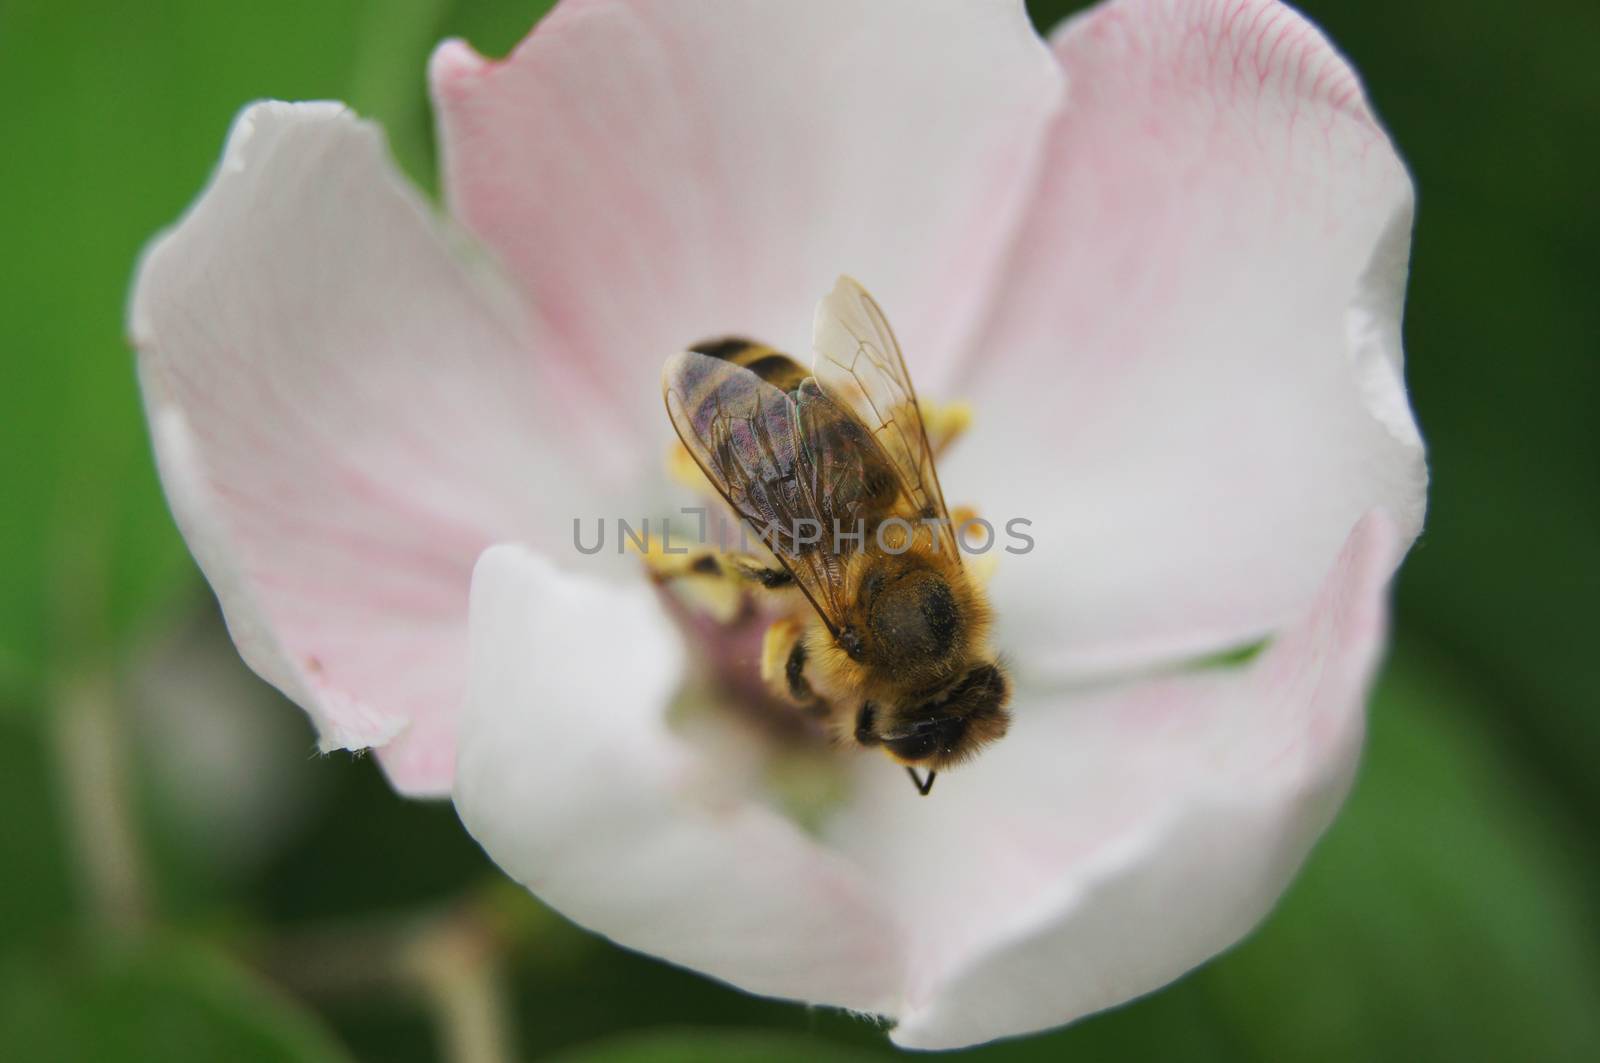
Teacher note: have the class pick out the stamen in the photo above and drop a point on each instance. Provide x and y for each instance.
(945, 422)
(682, 469)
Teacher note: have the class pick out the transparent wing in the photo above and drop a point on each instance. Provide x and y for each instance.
(789, 463)
(859, 366)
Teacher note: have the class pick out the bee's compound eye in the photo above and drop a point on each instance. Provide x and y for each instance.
(916, 747)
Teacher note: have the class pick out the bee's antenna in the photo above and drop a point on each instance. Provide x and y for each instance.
(922, 785)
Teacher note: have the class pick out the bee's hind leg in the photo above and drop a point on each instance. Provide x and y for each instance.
(783, 665)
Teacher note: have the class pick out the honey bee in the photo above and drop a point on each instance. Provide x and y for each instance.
(834, 471)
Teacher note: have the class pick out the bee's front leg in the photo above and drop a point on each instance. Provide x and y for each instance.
(753, 569)
(715, 582)
(712, 563)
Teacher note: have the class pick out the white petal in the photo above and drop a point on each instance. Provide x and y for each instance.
(660, 173)
(1114, 840)
(571, 780)
(344, 416)
(1192, 382)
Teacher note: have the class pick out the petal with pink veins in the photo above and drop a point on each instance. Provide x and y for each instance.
(344, 416)
(659, 173)
(1192, 375)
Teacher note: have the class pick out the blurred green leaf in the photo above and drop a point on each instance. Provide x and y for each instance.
(387, 84)
(494, 29)
(166, 1003)
(393, 45)
(36, 897)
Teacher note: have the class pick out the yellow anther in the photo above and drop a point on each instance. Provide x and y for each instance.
(720, 599)
(682, 468)
(982, 567)
(981, 563)
(945, 422)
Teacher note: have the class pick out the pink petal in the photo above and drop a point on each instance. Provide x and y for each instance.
(344, 417)
(656, 173)
(1117, 839)
(572, 781)
(1192, 378)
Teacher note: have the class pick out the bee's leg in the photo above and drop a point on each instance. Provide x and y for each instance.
(783, 665)
(696, 577)
(716, 581)
(753, 569)
(708, 562)
(945, 422)
(666, 565)
(760, 569)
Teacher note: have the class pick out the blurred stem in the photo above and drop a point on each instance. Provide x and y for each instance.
(457, 966)
(89, 754)
(454, 960)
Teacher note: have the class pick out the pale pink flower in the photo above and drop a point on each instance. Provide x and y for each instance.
(1163, 255)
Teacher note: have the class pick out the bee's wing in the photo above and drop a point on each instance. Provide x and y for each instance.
(781, 459)
(859, 366)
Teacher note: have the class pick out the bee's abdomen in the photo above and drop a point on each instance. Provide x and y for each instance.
(771, 365)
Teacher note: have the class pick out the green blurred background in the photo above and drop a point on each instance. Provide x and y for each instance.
(249, 900)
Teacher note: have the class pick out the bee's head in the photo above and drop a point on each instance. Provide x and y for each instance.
(947, 730)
